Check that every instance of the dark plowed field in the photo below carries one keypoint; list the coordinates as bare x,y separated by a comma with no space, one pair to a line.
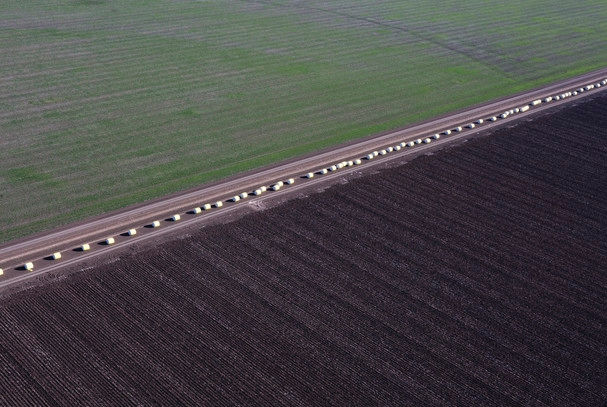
475,276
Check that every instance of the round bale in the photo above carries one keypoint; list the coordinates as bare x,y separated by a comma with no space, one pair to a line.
207,206
358,161
56,256
85,247
218,204
310,175
132,232
175,217
291,181
244,195
29,266
197,210
110,241
427,140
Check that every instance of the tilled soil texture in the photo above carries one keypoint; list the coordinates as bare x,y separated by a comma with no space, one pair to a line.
474,276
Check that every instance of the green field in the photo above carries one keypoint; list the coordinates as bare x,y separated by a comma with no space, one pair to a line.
108,103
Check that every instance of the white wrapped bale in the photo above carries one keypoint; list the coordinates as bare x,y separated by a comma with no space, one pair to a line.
244,195
517,110
370,156
418,141
410,144
290,181
257,192
575,93
1,272
207,206
110,241
403,144
29,266
218,204
263,188
480,121
197,210
493,118
280,184
503,115
458,129
436,136
156,224
524,109
175,217
275,187
548,99
358,161
375,153
383,152
389,149
333,168
427,140
85,247
350,163
310,175
397,147
235,198
557,97
471,126
324,171
56,256
536,102
340,166
132,232
447,132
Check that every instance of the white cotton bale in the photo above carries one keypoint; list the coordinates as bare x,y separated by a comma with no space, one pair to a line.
197,210
418,141
333,168
56,255
244,195
280,183
275,187
447,132
339,165
29,266
402,144
511,111
375,153
310,175
436,136
290,181
218,204
536,102
110,241
524,108
175,217
471,126
85,247
358,161
235,198
548,99
383,152
370,156
503,115
410,144
389,149
324,171
350,163
207,206
574,93
557,97
427,140
257,192
132,232
263,188
493,118
156,224
1,272
517,110
458,128
480,121
397,147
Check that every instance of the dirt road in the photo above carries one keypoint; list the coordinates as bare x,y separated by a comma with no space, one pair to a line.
66,240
